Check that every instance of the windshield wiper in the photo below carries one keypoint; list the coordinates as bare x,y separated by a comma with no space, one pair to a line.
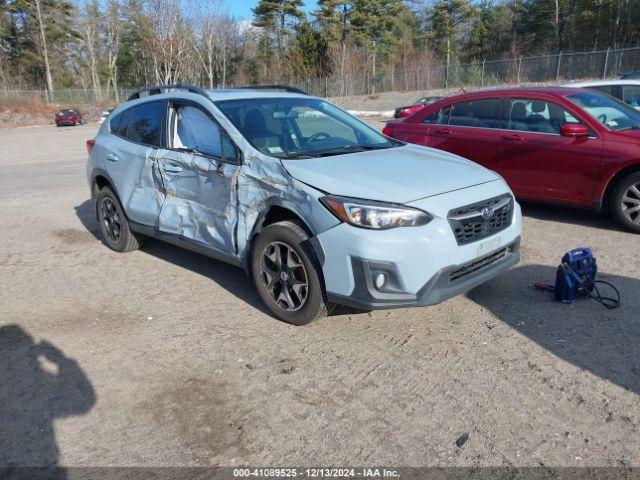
293,156
352,149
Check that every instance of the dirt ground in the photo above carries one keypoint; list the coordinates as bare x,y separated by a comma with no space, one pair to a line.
164,357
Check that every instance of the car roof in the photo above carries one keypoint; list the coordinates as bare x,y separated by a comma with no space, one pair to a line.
241,94
597,83
507,92
212,95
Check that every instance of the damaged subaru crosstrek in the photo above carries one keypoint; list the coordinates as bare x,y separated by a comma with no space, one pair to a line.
316,205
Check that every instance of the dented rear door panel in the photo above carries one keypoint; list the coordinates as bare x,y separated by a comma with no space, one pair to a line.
135,174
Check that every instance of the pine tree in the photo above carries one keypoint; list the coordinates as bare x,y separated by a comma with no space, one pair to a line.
277,18
376,25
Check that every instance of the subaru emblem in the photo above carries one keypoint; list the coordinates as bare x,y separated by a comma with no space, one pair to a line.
487,212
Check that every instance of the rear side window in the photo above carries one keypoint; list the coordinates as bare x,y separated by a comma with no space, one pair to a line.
439,117
114,123
483,113
608,89
631,95
144,123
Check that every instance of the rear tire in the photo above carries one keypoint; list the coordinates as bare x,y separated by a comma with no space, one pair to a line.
625,202
114,225
287,275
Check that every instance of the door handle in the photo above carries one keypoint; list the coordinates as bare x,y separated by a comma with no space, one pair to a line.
112,157
443,131
171,168
513,138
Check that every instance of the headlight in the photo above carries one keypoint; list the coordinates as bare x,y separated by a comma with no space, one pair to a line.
374,215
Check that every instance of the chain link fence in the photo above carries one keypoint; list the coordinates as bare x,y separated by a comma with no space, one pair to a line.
68,96
536,69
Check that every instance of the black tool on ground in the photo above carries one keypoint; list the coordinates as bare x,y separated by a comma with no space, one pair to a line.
576,278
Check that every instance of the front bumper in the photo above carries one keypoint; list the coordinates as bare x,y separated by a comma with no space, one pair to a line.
444,284
423,265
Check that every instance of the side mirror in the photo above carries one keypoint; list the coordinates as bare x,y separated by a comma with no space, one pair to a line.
574,130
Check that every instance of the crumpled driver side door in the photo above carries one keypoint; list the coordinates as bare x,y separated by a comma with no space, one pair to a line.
199,180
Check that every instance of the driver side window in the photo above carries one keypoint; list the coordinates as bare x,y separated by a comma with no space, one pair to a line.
193,129
539,116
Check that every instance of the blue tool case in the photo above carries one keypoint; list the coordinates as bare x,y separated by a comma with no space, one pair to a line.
576,275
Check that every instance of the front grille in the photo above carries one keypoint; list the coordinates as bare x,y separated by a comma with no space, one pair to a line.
468,223
476,265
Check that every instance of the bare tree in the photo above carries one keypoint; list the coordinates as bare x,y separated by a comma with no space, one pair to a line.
43,43
167,41
112,23
213,37
91,34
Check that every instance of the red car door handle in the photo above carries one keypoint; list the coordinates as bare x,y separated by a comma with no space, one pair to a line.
443,131
513,138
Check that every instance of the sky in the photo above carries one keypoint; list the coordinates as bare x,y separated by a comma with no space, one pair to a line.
241,9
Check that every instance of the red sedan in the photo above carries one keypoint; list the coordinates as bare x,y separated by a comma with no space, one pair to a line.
68,117
565,145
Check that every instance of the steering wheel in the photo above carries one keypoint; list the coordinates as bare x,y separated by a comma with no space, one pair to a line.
318,136
602,118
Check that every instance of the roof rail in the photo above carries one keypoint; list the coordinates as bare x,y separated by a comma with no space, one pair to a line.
157,89
285,88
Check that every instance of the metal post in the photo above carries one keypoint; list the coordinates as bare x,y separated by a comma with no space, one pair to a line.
482,74
446,76
519,67
558,67
606,60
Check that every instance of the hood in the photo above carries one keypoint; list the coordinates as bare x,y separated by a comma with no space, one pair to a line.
398,175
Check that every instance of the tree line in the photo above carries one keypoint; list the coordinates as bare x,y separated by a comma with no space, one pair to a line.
103,45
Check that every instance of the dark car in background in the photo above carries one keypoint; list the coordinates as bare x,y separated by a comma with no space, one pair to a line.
407,110
68,117
571,146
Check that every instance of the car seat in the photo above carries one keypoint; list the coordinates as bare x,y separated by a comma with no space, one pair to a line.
557,116
255,127
537,122
518,115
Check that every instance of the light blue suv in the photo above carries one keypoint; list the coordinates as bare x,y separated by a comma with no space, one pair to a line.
318,206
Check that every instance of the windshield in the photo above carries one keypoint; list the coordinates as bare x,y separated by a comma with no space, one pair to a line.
301,127
609,111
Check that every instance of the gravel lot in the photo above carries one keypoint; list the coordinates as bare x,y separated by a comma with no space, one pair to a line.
164,357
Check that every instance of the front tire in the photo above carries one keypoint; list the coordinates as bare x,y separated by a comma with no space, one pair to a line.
286,274
114,225
625,202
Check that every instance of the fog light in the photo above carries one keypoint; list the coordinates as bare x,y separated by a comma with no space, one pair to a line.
379,280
